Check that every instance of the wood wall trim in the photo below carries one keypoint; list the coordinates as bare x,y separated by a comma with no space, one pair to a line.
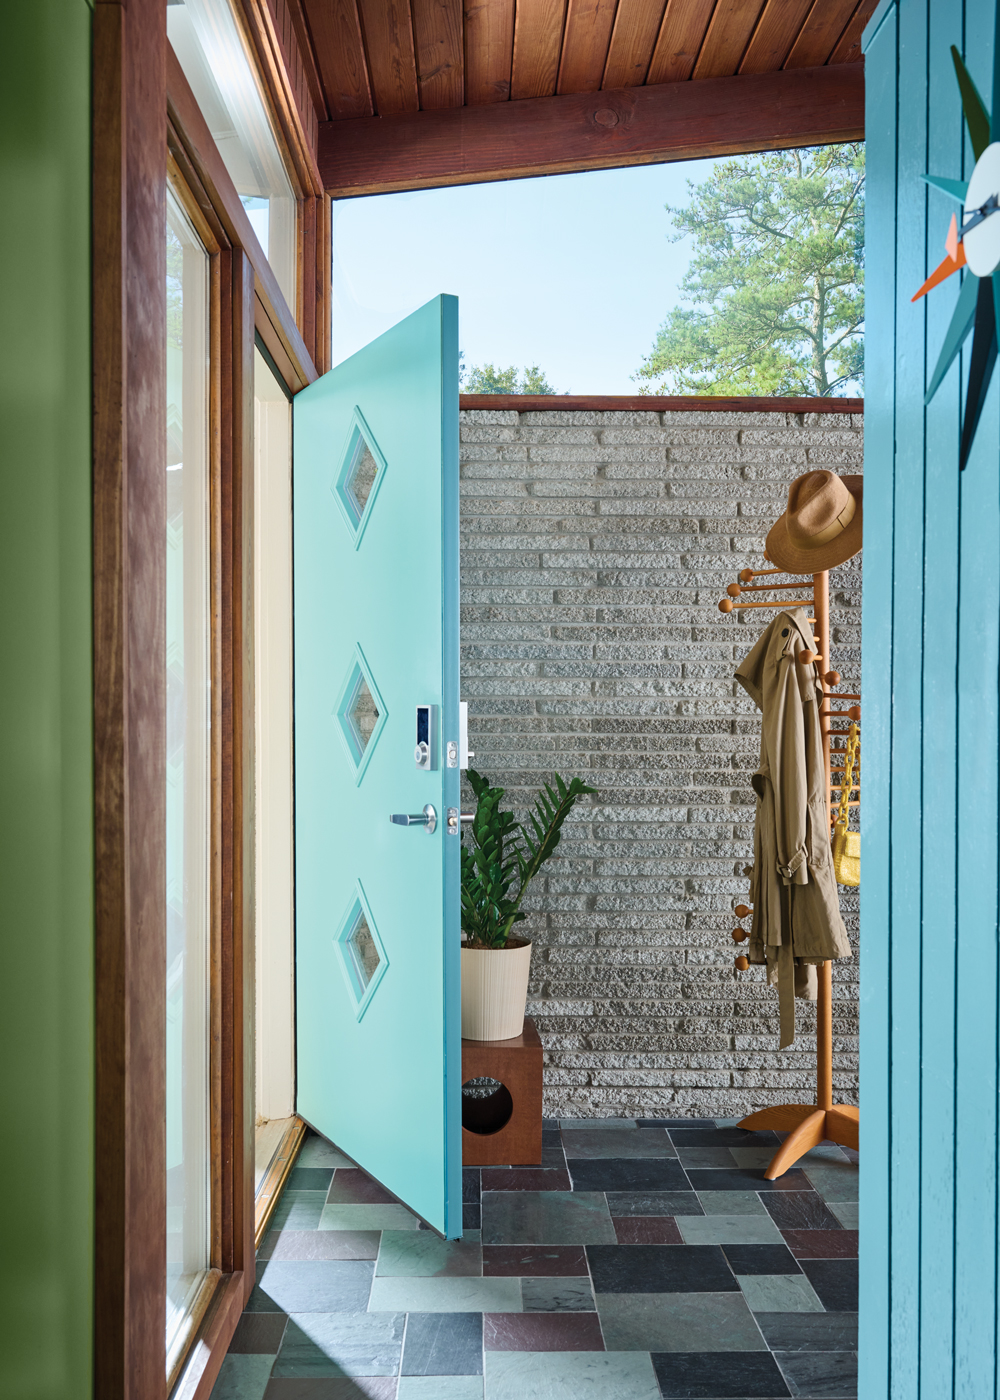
275,1177
189,132
129,367
214,1335
279,64
593,131
323,291
196,1321
651,403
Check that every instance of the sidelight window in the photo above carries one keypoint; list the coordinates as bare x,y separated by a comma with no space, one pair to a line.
188,773
210,47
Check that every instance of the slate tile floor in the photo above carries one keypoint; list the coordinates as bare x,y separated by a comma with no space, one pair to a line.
643,1260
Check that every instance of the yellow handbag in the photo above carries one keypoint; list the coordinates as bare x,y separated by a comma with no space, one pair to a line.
847,844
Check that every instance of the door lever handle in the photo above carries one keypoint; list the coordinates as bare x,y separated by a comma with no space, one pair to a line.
427,819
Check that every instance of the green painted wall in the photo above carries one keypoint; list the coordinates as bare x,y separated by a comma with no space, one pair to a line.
46,808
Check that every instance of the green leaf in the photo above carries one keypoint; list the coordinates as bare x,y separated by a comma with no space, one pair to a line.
502,851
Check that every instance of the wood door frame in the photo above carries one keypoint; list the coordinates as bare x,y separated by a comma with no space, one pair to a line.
295,121
147,125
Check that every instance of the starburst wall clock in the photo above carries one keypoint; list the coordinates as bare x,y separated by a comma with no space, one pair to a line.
975,245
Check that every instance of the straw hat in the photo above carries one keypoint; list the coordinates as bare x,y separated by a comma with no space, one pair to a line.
821,527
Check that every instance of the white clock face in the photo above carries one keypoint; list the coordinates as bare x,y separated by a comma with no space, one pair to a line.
982,243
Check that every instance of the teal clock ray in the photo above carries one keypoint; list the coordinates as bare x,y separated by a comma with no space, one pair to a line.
976,246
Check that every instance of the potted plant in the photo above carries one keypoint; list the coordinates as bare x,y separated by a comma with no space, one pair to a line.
499,861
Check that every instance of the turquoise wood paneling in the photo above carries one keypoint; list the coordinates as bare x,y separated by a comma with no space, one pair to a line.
877,672
938,749
379,1072
46,728
929,1297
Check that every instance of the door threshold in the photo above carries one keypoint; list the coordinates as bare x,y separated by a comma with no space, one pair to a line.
279,1162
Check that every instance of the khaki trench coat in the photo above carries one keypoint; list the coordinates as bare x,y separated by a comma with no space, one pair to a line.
796,909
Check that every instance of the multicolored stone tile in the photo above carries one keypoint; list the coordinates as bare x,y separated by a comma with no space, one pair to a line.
822,1244
546,1217
647,1229
557,1294
539,1260
525,1179
568,1375
555,1331
634,1238
745,1374
678,1322
422,1254
779,1293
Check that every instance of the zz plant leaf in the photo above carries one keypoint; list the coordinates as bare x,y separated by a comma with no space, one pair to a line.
502,856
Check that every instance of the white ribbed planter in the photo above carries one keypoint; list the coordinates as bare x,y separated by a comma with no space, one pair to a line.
494,992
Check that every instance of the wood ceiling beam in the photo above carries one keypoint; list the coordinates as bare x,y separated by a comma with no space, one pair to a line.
593,131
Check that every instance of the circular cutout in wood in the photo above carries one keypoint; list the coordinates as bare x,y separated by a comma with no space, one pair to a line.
486,1105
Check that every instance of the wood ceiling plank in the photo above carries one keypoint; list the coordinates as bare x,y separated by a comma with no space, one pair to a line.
595,131
335,39
728,35
848,48
299,32
818,37
437,34
681,35
538,36
489,51
392,65
637,25
585,45
776,32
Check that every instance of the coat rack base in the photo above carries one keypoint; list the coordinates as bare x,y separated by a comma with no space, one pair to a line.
807,1126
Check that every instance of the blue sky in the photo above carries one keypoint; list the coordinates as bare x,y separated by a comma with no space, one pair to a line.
571,272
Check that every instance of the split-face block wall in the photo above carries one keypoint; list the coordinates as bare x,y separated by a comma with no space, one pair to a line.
595,549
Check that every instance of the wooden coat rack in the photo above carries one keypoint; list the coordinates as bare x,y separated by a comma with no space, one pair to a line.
807,1124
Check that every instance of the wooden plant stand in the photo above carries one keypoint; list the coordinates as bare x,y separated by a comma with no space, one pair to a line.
517,1064
807,1124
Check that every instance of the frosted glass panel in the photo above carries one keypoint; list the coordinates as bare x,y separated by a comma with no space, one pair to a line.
209,46
364,713
188,773
363,475
366,958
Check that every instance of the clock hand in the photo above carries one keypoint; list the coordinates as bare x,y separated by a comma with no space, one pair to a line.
980,216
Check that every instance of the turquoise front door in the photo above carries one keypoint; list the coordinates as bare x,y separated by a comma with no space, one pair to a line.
378,1021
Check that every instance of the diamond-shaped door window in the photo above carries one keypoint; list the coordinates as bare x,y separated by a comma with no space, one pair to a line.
364,714
362,468
361,953
361,713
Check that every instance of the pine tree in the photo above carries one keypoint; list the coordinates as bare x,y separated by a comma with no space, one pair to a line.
776,283
486,379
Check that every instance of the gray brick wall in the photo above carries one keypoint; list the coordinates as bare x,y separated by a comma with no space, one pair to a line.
595,549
